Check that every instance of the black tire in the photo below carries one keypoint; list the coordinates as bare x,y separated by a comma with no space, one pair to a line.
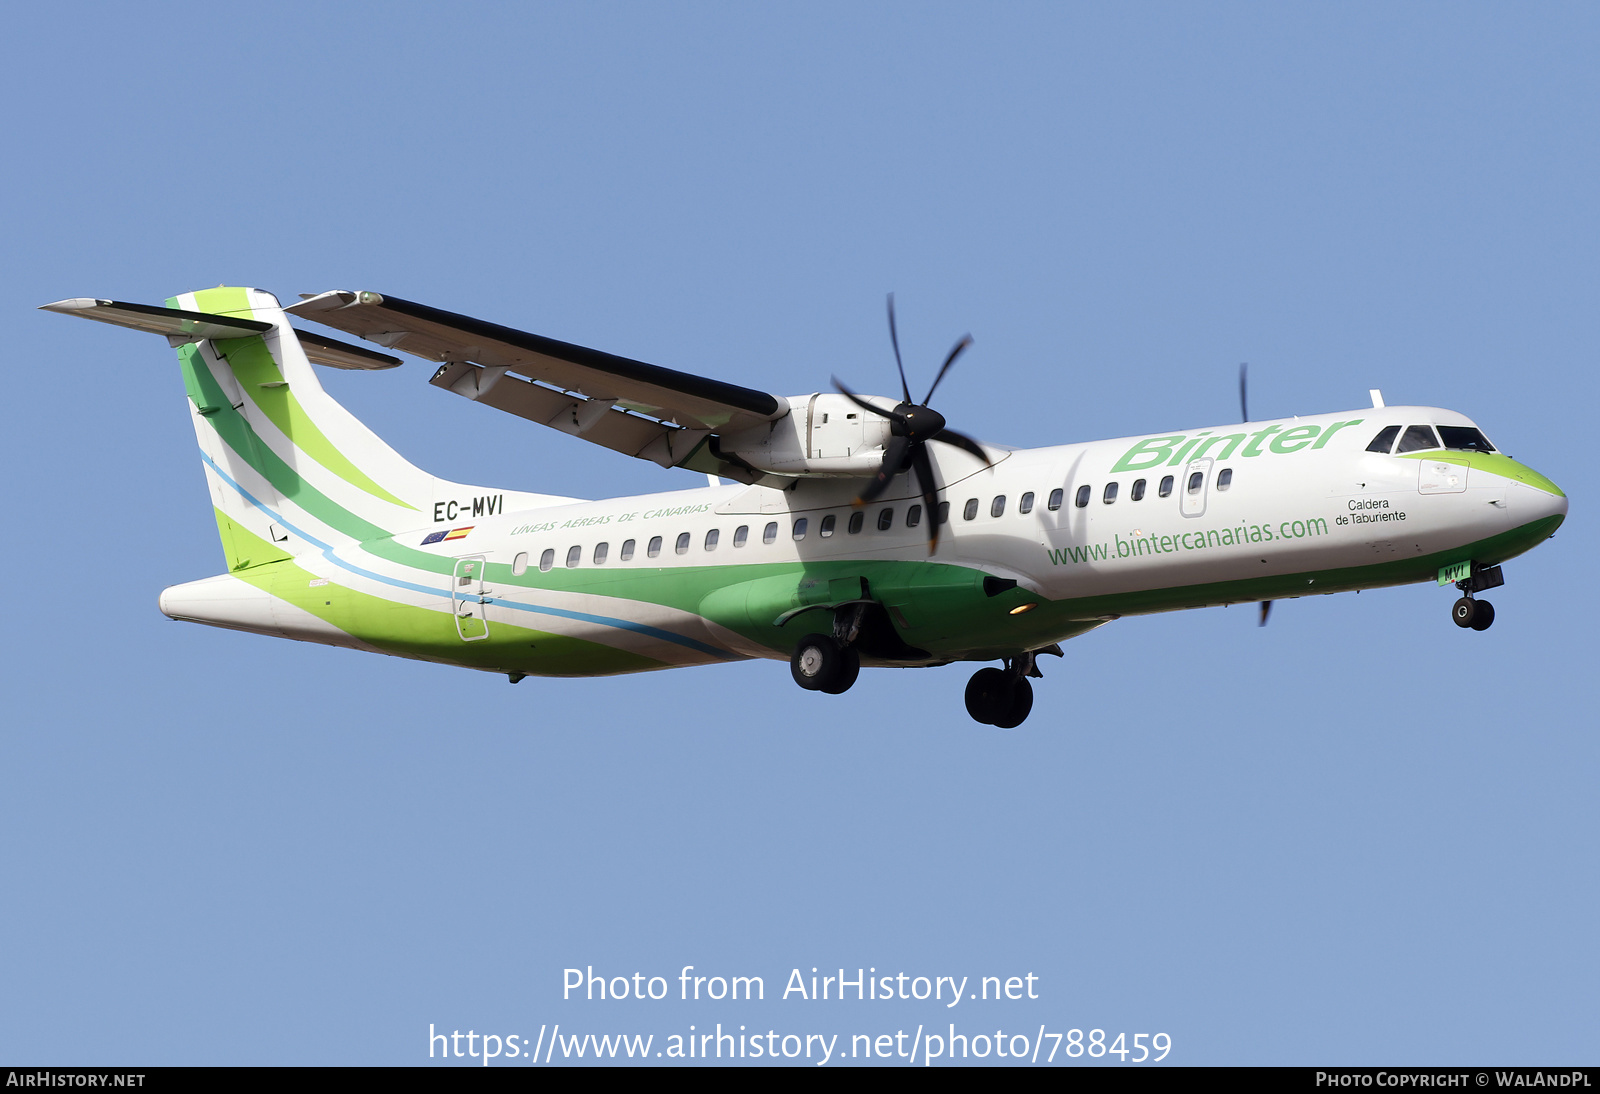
1020,704
986,695
1484,619
849,669
1464,612
816,662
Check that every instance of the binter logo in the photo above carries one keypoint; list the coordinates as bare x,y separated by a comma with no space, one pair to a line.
1172,451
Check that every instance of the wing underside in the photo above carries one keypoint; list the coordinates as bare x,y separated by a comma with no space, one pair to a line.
672,418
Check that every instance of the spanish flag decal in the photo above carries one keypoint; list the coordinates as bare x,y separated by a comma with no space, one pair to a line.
459,533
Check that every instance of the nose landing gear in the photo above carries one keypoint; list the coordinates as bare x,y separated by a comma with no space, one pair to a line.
1476,614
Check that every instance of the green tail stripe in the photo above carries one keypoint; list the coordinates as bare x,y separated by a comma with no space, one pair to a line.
253,365
238,435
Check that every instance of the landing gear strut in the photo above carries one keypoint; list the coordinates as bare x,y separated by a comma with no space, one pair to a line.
1476,614
1003,697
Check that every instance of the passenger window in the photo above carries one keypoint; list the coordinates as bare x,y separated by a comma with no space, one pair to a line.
1464,438
857,519
800,528
519,565
1166,486
1196,481
885,519
1082,499
740,535
712,537
627,550
655,547
1384,440
944,513
1224,478
1055,499
574,556
1137,493
913,516
769,534
971,510
825,529
1110,493
600,552
1025,503
682,546
548,559
997,507
1418,438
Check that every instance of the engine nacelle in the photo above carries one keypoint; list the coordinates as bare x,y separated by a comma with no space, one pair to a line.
823,435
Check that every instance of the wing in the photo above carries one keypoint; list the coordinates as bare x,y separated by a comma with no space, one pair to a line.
641,409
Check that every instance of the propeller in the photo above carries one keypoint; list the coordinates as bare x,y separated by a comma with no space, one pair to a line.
911,427
1244,414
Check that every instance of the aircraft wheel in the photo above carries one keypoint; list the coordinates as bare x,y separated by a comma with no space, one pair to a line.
1465,612
849,669
1483,618
1017,709
986,695
817,663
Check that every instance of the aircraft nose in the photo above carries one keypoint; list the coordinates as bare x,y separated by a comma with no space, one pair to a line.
1535,495
1538,502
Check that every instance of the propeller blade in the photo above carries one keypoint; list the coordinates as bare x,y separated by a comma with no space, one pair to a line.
894,339
966,340
1266,609
894,461
962,441
860,402
1244,405
922,465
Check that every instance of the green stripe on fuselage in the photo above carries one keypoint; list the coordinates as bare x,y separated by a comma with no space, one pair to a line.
1492,462
410,631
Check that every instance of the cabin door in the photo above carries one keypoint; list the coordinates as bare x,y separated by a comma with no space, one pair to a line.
467,599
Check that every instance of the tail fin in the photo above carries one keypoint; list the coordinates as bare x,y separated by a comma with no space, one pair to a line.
289,470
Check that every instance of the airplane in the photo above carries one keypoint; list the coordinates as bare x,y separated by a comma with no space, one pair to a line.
856,530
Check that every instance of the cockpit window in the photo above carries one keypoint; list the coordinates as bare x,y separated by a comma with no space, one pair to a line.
1384,440
1418,438
1465,439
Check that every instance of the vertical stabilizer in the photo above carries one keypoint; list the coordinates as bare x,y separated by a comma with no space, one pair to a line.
288,469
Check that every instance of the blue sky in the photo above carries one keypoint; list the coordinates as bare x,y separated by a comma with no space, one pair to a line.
1358,836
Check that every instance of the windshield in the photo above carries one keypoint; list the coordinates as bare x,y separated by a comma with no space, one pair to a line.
1464,438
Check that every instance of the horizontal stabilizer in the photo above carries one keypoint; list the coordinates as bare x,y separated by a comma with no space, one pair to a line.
178,325
182,327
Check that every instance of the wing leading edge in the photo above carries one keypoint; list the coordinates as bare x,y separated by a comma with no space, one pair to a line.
672,418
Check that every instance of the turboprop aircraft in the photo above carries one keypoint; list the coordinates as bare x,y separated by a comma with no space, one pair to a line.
858,530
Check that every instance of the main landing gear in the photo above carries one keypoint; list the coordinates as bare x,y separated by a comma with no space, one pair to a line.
1469,612
1003,697
821,663
830,663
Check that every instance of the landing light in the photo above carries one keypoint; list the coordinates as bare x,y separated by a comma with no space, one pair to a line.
1022,609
